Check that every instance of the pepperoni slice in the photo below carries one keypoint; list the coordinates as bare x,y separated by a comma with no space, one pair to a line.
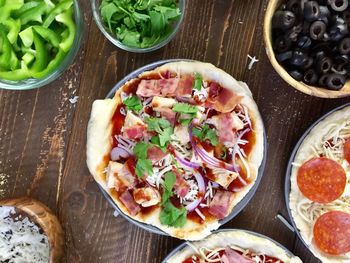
321,180
332,232
347,150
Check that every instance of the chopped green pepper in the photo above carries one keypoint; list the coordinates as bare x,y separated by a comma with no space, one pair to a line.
48,34
61,7
41,56
51,66
66,19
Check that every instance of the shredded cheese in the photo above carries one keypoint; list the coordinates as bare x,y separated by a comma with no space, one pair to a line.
20,239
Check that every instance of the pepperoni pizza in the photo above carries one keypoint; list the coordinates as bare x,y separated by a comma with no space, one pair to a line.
320,188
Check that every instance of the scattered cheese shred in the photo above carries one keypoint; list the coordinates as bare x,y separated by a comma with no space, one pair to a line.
20,239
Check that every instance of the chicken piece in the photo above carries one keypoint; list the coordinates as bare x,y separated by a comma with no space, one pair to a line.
223,177
146,196
181,132
119,176
160,102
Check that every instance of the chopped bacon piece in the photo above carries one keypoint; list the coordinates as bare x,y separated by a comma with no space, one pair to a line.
225,128
181,186
134,132
220,204
168,114
146,196
129,202
148,88
185,86
231,256
222,99
168,86
155,154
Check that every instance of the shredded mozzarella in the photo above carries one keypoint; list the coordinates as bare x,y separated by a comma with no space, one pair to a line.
20,239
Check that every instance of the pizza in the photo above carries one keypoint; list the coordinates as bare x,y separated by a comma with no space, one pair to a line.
177,147
233,246
320,188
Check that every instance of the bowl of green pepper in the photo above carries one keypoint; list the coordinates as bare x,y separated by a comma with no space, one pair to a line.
139,25
39,39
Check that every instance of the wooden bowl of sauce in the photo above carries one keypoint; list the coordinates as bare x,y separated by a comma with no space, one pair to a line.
272,6
37,213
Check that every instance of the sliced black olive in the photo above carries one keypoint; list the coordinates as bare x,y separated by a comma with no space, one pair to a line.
336,33
309,63
304,42
283,20
339,5
294,32
311,11
282,44
317,30
326,37
296,74
324,11
323,64
294,6
299,59
302,5
339,69
346,15
310,77
323,80
335,81
344,46
284,56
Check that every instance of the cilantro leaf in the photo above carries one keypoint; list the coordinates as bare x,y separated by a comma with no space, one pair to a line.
173,216
140,150
206,133
185,108
133,103
169,182
143,166
197,85
162,127
155,140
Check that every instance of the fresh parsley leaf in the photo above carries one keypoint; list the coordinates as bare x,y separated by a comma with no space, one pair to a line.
197,85
133,103
169,181
143,166
206,133
155,140
173,216
185,108
140,150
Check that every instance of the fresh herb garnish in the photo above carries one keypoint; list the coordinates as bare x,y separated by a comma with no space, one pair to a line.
140,23
171,215
206,133
197,85
143,165
133,103
185,108
162,127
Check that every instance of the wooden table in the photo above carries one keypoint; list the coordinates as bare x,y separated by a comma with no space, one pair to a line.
43,135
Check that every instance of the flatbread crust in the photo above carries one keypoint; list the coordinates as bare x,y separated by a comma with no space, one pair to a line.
99,143
305,152
240,238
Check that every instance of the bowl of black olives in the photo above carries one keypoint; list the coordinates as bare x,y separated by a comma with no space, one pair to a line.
308,44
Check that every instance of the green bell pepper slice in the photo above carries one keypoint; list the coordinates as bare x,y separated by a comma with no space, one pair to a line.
48,34
13,26
16,75
54,64
8,6
41,54
8,58
66,18
27,36
26,6
33,14
58,9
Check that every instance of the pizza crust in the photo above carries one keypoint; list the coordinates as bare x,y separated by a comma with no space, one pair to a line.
99,143
305,152
240,238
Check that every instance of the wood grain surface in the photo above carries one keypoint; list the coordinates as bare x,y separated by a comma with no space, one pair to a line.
43,135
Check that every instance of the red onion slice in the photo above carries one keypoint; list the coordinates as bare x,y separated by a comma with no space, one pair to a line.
201,186
187,163
118,152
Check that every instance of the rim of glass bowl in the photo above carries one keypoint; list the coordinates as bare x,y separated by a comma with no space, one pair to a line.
116,42
32,83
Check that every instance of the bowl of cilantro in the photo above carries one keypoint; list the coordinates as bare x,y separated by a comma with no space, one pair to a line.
138,25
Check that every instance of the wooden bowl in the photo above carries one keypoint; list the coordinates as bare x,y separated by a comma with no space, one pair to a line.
41,215
311,90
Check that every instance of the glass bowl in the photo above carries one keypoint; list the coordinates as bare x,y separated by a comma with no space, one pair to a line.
95,4
32,83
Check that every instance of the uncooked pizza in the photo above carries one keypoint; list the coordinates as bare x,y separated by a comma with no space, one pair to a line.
233,246
177,147
320,188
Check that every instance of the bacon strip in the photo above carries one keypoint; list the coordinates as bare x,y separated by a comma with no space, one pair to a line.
220,204
225,128
129,202
134,132
222,99
148,88
231,256
181,186
155,154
